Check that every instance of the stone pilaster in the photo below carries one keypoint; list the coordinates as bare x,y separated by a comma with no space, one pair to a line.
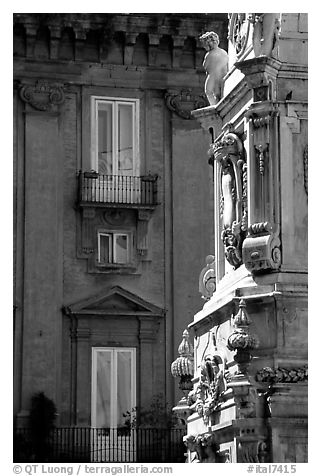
83,376
42,320
147,334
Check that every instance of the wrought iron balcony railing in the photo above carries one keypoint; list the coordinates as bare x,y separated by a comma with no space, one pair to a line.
117,189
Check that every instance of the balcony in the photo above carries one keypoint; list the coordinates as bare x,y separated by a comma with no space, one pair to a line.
117,190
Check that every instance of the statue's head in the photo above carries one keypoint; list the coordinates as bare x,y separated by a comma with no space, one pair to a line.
209,39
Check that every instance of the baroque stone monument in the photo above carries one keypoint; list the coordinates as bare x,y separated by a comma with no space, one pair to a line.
249,398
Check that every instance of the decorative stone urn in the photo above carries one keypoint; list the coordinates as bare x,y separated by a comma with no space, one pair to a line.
241,340
183,367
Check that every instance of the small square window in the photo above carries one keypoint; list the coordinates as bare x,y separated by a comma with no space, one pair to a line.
113,248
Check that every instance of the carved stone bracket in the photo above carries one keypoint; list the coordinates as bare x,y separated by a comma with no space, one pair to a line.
184,102
43,96
88,216
142,231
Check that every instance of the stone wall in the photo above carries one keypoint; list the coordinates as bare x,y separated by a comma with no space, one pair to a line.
140,56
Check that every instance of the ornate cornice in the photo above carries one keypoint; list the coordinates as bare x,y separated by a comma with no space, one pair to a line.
42,96
184,102
150,28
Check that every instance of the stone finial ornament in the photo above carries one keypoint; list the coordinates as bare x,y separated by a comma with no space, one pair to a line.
183,366
241,340
216,66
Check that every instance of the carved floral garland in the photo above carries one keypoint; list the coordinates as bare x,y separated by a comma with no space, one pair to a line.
282,375
206,397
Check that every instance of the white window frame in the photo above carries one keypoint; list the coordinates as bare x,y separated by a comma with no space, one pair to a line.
113,388
112,246
95,100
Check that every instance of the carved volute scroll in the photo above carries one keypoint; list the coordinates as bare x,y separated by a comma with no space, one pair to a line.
43,96
238,33
228,152
207,281
184,102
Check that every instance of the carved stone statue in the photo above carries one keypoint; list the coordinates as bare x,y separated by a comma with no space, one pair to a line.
265,33
216,66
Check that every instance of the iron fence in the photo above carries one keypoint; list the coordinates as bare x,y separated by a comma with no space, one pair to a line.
96,188
107,445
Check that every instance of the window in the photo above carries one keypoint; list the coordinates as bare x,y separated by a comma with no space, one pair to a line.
113,248
113,386
113,398
115,136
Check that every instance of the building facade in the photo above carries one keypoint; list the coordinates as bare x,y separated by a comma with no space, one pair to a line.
113,215
248,401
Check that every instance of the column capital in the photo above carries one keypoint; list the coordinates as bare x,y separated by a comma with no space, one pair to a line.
147,328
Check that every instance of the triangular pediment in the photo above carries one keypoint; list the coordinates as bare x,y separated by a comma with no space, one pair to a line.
115,301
